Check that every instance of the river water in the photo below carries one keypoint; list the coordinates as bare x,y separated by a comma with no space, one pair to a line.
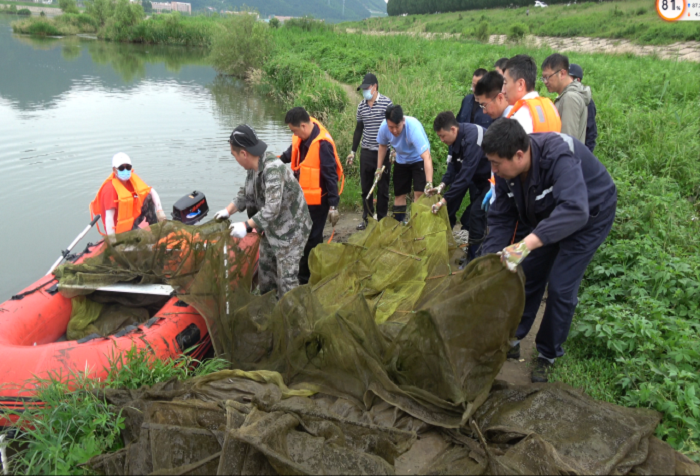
68,105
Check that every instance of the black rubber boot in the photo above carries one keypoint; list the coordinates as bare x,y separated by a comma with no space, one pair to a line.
541,370
514,352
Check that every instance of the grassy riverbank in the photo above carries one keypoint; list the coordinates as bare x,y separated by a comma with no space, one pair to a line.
635,20
76,423
634,340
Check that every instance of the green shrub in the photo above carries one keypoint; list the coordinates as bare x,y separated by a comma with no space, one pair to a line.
119,27
243,44
24,11
71,427
68,6
482,32
84,23
42,14
517,32
274,22
36,27
307,23
100,10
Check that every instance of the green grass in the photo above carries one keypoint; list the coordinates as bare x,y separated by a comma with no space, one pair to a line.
76,423
634,20
634,340
63,25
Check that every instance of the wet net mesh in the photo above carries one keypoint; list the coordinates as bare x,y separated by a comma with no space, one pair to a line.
384,363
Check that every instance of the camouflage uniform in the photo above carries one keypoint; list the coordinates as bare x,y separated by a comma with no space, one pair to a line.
274,201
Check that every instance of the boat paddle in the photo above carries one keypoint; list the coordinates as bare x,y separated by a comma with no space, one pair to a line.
75,242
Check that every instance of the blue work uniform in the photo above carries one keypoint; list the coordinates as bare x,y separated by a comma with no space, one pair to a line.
569,201
470,112
468,169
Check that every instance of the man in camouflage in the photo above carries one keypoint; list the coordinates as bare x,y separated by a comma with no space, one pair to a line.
276,207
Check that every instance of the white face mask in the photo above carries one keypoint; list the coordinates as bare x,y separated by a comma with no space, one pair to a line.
367,94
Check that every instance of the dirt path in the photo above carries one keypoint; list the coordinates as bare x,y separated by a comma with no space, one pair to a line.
513,371
681,51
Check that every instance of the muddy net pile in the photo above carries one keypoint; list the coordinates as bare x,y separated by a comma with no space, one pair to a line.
167,253
385,363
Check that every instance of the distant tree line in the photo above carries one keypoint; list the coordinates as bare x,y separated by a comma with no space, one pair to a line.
416,7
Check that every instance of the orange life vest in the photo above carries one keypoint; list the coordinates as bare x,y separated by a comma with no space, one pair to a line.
310,169
545,117
128,205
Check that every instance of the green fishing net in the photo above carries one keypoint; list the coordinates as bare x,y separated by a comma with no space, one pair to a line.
384,363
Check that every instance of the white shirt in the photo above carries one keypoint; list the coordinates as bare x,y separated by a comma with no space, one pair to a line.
523,114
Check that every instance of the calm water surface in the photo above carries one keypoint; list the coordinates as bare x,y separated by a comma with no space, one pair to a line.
67,105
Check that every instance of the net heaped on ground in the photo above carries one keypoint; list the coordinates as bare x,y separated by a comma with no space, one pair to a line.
384,363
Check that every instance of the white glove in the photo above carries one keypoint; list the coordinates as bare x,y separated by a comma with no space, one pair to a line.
161,215
351,157
436,207
222,214
392,156
238,230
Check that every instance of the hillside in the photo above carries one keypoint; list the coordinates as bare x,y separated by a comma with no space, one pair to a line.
634,20
329,10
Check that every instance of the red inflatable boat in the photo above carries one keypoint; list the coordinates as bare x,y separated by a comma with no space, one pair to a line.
33,325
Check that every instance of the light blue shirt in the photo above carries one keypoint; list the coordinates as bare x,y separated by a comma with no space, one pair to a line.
410,144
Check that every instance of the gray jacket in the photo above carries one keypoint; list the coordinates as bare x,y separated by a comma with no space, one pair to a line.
275,202
572,105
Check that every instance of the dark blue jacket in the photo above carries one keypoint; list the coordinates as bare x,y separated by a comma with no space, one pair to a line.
591,127
469,107
565,188
467,164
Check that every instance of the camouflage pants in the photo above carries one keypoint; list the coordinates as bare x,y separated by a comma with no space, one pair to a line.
278,270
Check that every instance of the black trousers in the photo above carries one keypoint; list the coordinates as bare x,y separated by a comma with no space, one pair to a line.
368,167
561,266
473,219
319,215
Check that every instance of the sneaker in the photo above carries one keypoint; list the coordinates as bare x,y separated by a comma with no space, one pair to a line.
514,352
362,226
539,373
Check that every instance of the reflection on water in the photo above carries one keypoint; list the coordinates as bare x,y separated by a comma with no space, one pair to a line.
67,105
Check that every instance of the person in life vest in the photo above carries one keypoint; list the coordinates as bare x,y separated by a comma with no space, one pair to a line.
316,165
124,200
533,112
555,186
490,93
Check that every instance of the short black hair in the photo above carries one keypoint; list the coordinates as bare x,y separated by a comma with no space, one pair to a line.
296,115
444,121
505,137
489,85
501,63
479,72
555,62
394,113
523,67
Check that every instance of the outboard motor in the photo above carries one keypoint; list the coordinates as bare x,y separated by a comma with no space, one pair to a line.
191,208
